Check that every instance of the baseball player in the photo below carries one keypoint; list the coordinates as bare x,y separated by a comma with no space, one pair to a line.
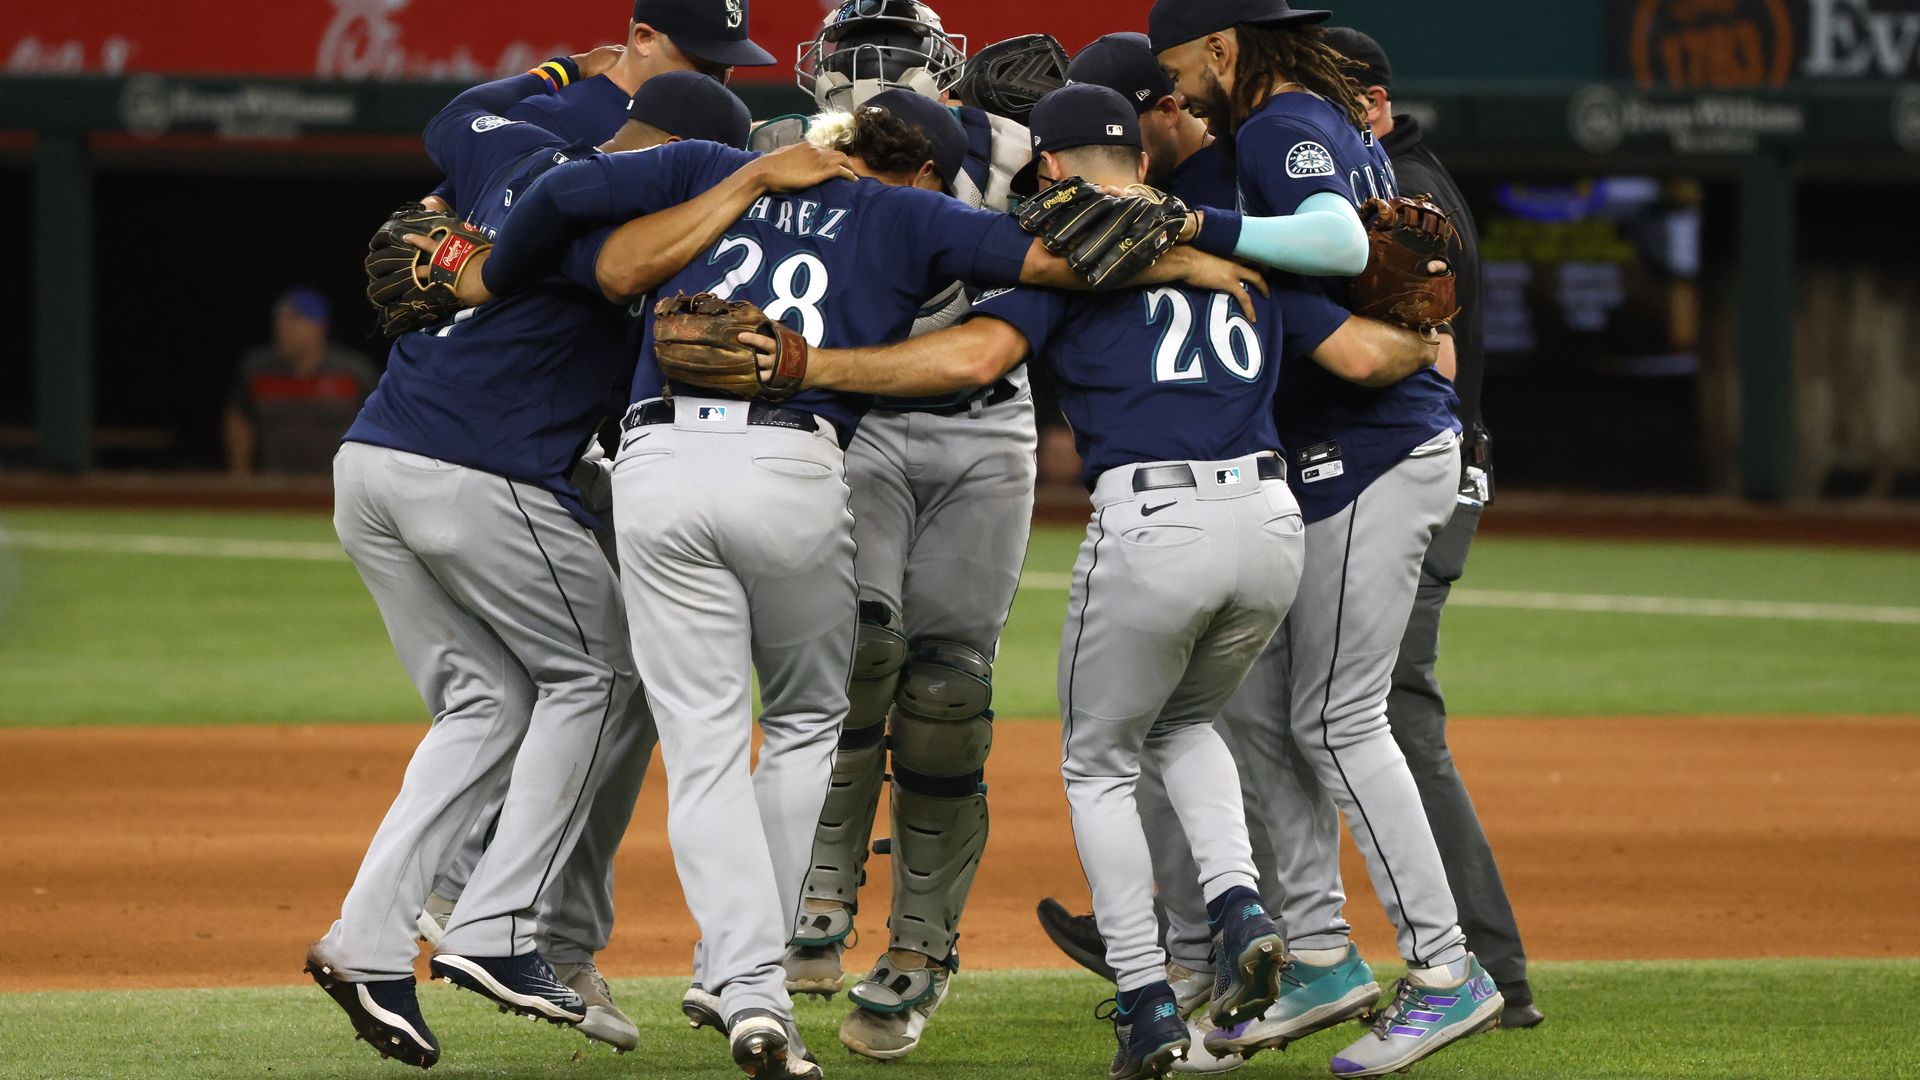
1375,470
664,37
447,488
1189,564
942,500
743,557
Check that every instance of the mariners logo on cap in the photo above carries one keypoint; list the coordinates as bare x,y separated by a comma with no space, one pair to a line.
1309,159
736,14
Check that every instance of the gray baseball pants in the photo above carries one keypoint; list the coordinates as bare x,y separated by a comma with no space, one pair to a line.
736,549
528,684
1175,592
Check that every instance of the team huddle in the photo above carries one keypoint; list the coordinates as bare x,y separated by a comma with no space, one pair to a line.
677,399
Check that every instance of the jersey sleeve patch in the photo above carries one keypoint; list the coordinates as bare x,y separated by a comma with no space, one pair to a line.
1309,159
484,124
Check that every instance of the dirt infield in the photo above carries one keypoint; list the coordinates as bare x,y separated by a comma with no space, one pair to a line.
210,857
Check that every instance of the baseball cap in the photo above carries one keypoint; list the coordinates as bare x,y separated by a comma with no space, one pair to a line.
1123,63
692,106
935,121
1082,114
308,303
1363,50
1176,22
710,30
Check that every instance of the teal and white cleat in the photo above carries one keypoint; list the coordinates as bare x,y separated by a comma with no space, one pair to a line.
1312,998
1422,1021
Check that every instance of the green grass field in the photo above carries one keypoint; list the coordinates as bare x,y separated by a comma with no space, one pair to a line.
274,627
1739,1020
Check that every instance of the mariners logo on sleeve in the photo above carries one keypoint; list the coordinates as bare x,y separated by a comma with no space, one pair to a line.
484,124
988,295
1309,159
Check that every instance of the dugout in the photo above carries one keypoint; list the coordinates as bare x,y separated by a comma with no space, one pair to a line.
1690,295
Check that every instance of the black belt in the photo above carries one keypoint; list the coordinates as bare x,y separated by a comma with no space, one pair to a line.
1156,477
759,414
1001,391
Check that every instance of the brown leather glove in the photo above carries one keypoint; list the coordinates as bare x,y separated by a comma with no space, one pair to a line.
696,339
1406,236
413,289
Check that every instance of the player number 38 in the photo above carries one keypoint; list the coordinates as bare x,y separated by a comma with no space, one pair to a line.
798,283
1227,336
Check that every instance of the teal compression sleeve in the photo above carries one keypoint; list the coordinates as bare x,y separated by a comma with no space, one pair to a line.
1323,238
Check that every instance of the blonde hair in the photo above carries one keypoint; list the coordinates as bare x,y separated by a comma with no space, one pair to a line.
831,130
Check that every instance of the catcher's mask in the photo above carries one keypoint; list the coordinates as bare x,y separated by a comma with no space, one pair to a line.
867,46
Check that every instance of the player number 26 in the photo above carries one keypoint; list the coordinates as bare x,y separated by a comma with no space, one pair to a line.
1227,336
798,283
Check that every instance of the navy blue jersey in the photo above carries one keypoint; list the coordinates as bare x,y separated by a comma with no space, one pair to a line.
585,113
1163,374
847,264
1206,178
1295,146
516,386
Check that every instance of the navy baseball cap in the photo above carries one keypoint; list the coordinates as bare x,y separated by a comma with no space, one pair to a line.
692,106
1123,63
1374,69
710,30
1082,114
1176,22
935,121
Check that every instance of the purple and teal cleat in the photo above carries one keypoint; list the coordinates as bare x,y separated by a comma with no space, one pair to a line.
1312,998
1422,1021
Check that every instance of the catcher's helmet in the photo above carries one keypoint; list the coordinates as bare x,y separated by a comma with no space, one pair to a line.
867,46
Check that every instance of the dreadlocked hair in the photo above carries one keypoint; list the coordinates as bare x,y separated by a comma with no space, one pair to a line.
1270,55
884,141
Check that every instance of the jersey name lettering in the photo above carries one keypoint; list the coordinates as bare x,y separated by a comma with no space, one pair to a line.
798,217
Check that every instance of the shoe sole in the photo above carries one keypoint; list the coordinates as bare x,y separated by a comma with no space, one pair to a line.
1464,1030
761,1052
1353,1005
820,988
390,1038
1158,1063
468,975
610,1026
1259,967
1073,951
700,1015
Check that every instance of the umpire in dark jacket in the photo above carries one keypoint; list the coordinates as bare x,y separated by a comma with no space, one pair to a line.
1415,708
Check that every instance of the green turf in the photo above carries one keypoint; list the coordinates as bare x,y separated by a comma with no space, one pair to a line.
94,638
1739,1020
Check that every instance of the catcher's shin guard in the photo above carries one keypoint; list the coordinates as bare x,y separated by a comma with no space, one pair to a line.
853,794
942,729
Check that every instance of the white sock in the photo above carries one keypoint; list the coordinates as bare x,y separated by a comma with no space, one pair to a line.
1320,957
1437,978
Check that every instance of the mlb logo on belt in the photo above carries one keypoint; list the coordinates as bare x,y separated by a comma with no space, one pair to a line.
1226,476
713,413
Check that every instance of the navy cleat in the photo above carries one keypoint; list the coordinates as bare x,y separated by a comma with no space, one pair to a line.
523,984
1151,1035
1247,957
385,1013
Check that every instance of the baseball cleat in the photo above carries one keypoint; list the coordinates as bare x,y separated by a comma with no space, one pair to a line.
1077,936
385,1013
1248,956
1202,1061
1422,1021
702,1009
605,1022
522,984
893,1004
820,935
1152,1038
767,1046
1312,998
1520,1012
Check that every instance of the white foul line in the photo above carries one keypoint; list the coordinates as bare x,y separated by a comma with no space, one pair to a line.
1586,603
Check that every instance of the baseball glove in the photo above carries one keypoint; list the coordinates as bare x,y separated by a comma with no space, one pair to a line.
1406,235
413,289
1008,78
1107,239
696,340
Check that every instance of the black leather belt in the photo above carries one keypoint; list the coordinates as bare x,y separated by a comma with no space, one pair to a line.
1001,391
759,414
1156,477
